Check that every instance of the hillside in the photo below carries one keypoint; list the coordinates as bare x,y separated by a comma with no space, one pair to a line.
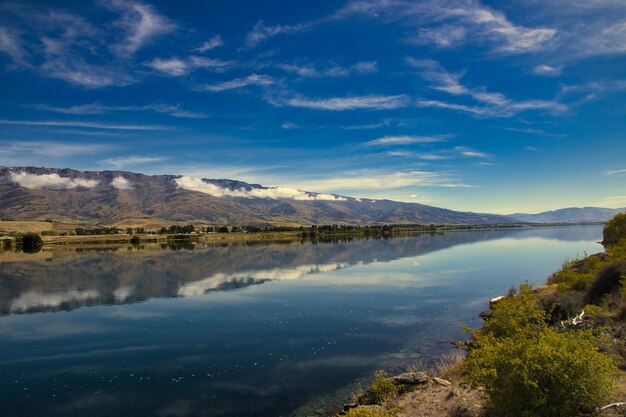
69,195
569,215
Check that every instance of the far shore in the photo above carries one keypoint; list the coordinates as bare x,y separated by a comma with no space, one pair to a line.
54,234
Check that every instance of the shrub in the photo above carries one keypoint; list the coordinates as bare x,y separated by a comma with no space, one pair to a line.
608,280
614,230
31,242
369,412
382,388
568,279
135,240
514,313
543,373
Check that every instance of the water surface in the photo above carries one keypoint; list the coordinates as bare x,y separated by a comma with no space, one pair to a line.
262,329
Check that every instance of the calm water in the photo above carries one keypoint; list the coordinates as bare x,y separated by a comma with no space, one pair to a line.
247,330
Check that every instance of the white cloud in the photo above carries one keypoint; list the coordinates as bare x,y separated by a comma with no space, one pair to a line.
141,24
121,183
125,161
547,70
348,103
53,149
471,153
173,110
215,42
254,79
614,172
172,66
402,140
490,104
54,181
197,184
91,125
177,67
369,181
260,32
333,70
11,45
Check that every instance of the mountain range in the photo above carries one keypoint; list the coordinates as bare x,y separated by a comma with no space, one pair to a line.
107,197
32,193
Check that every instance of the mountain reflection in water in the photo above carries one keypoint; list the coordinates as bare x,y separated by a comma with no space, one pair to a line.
61,279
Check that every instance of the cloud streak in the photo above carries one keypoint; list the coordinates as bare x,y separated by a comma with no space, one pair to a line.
76,123
347,103
402,140
489,104
250,80
53,181
173,110
274,193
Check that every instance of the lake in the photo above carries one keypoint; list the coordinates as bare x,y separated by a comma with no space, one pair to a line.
263,329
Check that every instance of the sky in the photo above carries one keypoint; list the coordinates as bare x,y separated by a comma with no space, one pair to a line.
500,107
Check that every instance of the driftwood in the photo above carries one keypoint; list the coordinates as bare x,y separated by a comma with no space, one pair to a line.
606,407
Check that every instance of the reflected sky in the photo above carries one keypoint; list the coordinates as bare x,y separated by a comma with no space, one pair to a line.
240,330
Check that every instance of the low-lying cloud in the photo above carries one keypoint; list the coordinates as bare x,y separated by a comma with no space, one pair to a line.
121,183
54,181
275,193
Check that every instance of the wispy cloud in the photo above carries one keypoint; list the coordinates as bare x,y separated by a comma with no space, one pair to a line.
173,110
254,79
130,161
141,24
53,148
261,32
69,47
471,153
490,104
402,140
347,103
199,185
177,67
378,180
91,125
548,70
332,70
612,172
215,42
11,44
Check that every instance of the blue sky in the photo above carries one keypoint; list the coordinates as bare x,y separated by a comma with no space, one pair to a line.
484,106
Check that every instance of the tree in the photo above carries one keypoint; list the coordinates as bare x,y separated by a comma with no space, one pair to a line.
31,242
614,230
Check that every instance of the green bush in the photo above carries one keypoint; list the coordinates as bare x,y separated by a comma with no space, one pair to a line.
514,313
31,242
382,388
531,369
608,280
614,230
542,374
135,240
568,279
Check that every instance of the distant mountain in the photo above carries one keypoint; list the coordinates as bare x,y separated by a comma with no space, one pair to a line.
569,215
103,197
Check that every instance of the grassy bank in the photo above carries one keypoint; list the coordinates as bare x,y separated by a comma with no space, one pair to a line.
554,351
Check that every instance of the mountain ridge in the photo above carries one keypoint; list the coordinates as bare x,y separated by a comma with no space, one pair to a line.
569,215
35,193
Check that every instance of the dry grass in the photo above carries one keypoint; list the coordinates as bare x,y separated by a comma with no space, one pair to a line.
450,367
24,226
